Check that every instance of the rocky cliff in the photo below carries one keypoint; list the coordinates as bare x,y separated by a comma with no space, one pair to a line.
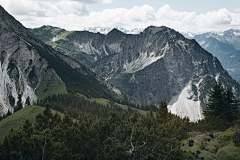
161,64
157,64
30,68
225,47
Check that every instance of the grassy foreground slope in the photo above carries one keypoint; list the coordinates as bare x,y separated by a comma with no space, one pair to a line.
217,146
16,120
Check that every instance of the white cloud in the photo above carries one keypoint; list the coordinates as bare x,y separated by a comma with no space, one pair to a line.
189,21
73,15
81,1
44,9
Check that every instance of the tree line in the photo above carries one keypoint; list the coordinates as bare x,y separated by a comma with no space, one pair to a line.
118,137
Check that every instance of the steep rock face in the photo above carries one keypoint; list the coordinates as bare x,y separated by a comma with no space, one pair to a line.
21,70
161,64
224,47
30,68
84,46
157,64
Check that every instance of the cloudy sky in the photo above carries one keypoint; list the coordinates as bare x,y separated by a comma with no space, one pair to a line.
182,15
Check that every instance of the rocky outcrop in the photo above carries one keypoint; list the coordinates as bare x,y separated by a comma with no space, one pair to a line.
21,70
31,68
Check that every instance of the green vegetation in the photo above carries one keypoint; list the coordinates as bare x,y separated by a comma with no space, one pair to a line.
104,102
125,81
221,113
16,120
118,137
49,87
236,138
69,48
64,35
61,43
156,30
83,82
104,129
222,104
220,147
103,64
46,33
79,106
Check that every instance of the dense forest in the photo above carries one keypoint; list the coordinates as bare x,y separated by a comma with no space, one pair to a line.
157,135
53,137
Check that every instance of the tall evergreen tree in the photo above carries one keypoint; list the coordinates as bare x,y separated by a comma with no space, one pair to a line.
162,115
222,104
231,106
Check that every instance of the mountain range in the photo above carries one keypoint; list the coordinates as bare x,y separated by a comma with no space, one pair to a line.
31,69
156,64
225,46
106,30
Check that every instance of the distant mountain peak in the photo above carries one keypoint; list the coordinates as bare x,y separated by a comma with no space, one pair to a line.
106,30
115,31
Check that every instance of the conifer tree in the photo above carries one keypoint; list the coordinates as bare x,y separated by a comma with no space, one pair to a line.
222,104
162,115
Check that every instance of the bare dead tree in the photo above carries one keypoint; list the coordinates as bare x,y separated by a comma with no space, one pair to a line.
172,150
130,152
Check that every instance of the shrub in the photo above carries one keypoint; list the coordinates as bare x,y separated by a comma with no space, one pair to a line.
202,145
236,138
190,142
211,135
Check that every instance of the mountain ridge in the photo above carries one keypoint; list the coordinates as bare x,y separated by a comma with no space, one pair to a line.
31,68
223,46
158,63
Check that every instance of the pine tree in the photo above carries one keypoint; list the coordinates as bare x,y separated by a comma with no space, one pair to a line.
162,115
216,101
231,106
222,104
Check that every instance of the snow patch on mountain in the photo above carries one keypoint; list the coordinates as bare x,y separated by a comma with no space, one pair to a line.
236,33
202,43
184,104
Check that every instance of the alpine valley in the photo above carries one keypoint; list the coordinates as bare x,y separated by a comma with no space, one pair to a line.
31,69
156,64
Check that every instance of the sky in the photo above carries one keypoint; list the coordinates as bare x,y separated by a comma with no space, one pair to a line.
195,16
